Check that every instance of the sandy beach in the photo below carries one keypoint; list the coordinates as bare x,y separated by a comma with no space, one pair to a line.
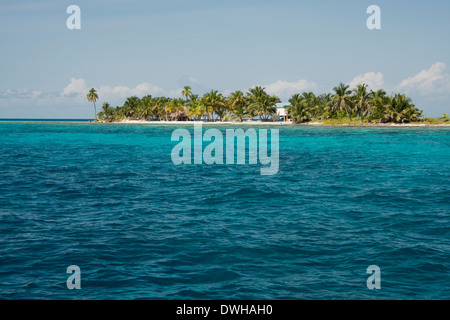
253,123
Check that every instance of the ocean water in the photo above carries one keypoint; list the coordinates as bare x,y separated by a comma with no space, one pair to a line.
108,199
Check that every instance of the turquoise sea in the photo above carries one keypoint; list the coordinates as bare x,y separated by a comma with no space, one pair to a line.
107,198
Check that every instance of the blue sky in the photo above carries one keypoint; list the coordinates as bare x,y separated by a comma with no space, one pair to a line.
157,47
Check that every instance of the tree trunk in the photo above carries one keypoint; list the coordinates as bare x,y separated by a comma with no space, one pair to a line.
348,115
95,110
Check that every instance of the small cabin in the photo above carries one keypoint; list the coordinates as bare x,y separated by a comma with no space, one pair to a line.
282,114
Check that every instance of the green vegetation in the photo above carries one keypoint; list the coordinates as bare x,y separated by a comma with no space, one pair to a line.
359,103
213,106
445,118
343,106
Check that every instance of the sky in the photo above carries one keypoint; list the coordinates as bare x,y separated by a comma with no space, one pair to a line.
139,47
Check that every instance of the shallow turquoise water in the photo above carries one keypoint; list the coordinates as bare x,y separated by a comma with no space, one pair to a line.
109,199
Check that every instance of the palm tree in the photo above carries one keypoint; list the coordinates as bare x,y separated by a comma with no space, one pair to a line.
204,108
342,99
269,107
326,106
314,104
215,102
146,105
298,109
196,108
255,97
238,104
168,109
159,109
92,97
118,113
401,109
446,117
193,109
378,94
362,100
260,103
378,103
131,106
106,112
186,92
176,105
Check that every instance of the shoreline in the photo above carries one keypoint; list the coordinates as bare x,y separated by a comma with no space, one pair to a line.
230,123
259,123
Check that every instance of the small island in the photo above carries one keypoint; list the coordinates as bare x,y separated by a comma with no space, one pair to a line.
345,106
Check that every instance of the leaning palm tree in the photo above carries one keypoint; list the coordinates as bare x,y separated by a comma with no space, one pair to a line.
269,109
92,96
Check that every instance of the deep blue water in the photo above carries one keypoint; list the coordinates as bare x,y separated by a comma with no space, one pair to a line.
109,199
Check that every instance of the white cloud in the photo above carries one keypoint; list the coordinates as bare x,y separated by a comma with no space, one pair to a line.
76,87
430,81
146,88
188,80
285,90
21,94
192,80
374,80
108,93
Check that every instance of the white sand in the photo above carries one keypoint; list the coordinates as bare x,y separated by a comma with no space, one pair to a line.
279,123
202,122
